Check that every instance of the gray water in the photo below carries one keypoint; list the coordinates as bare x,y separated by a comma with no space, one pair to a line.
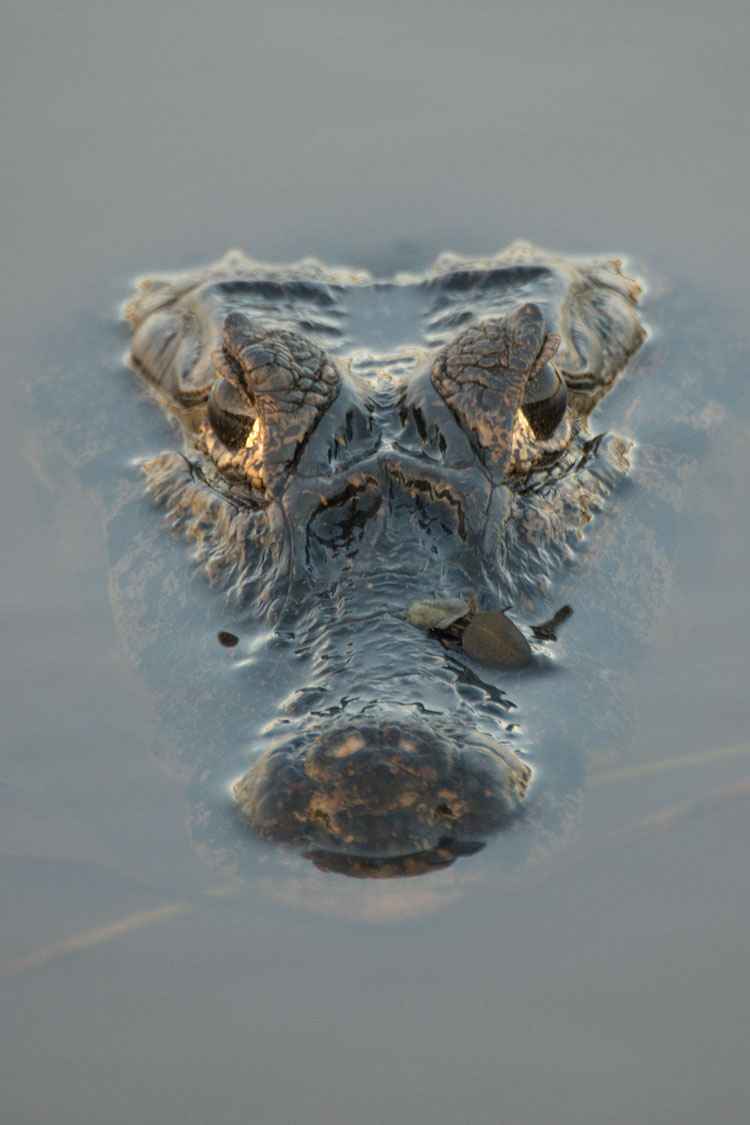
611,987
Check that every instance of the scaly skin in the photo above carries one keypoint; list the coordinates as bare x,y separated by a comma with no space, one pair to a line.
482,375
331,501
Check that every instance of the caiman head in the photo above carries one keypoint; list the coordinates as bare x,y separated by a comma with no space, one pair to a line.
331,488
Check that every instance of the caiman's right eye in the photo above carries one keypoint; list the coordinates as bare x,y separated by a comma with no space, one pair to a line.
544,401
230,415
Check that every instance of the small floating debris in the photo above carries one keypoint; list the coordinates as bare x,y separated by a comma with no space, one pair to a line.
547,631
492,638
440,613
228,640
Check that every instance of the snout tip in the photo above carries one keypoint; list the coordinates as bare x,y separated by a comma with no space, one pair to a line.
377,791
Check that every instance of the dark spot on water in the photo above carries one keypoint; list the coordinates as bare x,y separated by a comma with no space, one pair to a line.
228,640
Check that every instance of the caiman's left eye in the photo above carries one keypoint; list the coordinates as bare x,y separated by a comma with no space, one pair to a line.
230,414
545,398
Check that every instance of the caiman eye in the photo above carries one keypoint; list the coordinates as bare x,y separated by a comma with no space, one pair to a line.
230,415
545,398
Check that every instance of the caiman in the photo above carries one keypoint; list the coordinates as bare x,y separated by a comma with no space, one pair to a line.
390,475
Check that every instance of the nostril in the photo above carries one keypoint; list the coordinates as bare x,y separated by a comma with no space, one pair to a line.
322,815
443,811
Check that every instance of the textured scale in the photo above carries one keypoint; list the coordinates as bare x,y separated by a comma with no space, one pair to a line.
289,382
482,375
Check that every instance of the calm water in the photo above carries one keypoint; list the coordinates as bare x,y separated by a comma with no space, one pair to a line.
609,987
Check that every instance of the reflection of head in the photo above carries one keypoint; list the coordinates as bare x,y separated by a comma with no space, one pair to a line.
376,800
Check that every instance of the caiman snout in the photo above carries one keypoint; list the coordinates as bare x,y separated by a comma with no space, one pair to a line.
365,797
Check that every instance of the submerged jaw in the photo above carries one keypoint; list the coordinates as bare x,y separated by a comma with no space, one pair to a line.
363,796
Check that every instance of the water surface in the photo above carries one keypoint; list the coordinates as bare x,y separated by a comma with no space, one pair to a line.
610,986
